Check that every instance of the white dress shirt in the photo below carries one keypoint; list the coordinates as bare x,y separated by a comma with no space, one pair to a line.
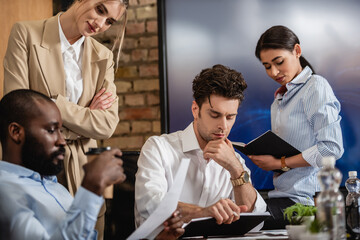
206,181
72,58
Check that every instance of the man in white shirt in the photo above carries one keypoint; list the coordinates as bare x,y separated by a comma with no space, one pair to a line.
217,182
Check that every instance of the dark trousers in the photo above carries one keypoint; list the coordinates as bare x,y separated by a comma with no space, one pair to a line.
276,208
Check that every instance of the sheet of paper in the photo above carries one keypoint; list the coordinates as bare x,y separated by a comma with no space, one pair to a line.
154,224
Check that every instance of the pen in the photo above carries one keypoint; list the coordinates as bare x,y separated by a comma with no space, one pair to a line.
235,214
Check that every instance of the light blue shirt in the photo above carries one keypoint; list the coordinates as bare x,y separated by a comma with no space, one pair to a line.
306,116
35,208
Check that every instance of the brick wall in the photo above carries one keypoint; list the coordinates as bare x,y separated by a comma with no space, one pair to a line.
137,78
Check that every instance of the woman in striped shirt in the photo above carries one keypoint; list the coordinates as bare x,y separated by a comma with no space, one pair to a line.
305,113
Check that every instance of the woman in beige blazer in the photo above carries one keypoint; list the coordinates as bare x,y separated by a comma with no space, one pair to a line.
34,59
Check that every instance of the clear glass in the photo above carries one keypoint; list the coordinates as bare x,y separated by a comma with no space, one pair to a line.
330,203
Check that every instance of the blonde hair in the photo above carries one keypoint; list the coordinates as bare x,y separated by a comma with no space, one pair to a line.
121,33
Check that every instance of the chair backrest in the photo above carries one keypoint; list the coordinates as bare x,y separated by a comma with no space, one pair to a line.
130,165
120,211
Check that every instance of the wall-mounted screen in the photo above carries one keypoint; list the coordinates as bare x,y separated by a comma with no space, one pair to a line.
197,34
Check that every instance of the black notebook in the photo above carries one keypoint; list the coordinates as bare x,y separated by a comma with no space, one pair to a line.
267,144
207,227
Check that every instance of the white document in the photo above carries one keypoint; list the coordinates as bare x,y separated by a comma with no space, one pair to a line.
154,224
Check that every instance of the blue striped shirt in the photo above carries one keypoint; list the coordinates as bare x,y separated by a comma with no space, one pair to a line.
306,116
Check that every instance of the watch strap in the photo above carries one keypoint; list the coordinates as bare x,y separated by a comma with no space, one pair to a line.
283,164
244,178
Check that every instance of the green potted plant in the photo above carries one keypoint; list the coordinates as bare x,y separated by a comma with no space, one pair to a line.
299,216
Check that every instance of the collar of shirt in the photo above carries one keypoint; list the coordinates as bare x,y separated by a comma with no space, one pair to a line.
65,45
23,172
302,78
189,140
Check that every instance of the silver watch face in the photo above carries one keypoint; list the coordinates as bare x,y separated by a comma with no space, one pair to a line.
246,177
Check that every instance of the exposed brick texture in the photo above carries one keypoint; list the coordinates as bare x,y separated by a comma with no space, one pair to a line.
139,55
146,12
146,42
154,55
156,127
135,100
135,28
152,99
149,70
141,127
146,2
146,85
126,142
122,128
144,113
152,26
123,87
137,78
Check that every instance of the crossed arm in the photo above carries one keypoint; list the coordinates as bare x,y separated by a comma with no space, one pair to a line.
97,119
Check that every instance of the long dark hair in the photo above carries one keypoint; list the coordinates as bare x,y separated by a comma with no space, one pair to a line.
280,37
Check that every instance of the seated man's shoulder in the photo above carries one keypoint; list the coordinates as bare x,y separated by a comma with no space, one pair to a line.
8,178
10,188
11,181
18,186
166,139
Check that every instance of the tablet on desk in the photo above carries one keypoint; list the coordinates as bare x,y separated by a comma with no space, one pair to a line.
207,227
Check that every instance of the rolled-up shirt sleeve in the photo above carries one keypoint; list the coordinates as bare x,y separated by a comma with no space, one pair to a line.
20,219
322,111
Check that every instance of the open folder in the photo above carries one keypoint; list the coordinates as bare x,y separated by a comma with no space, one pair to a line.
267,144
154,224
207,227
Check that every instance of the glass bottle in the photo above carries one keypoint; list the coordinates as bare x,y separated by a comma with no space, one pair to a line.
352,184
330,202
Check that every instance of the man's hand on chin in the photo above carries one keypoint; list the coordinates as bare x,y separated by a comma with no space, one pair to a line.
222,152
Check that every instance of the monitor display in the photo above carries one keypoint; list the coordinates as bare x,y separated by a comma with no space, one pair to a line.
198,34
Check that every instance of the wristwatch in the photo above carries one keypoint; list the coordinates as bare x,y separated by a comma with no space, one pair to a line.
244,178
284,168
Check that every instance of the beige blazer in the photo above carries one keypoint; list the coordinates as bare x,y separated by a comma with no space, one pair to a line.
33,60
